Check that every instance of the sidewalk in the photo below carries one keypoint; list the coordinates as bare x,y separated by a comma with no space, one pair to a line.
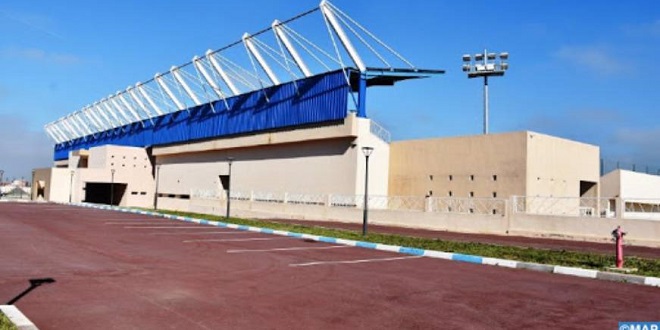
539,243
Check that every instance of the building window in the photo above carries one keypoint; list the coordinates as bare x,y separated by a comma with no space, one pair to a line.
430,192
431,177
451,177
471,177
451,193
494,194
494,177
494,211
471,193
471,210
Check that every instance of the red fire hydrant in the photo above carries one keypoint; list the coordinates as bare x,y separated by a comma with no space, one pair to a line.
618,234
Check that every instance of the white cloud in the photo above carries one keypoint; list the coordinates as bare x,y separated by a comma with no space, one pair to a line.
40,55
593,58
36,22
650,29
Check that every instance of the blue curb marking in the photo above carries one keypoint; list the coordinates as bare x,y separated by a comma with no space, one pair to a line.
413,251
327,239
366,245
467,258
642,280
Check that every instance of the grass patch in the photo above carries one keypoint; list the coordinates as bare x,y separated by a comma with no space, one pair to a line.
5,324
647,267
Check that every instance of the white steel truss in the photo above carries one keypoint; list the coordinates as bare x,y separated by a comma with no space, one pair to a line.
215,77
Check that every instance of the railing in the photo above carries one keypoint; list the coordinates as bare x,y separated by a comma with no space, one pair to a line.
582,207
492,206
380,131
648,209
488,206
564,206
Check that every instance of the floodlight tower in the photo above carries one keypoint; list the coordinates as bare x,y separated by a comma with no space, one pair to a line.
485,65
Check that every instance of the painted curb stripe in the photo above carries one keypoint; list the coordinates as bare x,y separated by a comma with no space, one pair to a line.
556,269
467,258
413,251
652,281
576,271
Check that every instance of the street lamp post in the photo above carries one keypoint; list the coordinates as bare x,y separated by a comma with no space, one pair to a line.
71,187
230,160
156,190
2,173
485,65
112,187
367,152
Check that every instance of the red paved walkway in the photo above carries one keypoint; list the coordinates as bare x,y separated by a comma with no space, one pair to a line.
113,274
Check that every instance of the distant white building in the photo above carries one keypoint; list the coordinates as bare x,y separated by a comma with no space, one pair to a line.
639,193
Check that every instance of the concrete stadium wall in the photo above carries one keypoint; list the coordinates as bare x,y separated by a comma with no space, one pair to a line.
311,160
494,165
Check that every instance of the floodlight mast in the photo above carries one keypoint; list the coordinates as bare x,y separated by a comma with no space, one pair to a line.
485,65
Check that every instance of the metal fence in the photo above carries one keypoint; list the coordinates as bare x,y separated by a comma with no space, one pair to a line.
608,165
492,206
564,206
582,207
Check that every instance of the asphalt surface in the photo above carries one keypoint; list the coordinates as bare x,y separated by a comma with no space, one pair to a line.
124,271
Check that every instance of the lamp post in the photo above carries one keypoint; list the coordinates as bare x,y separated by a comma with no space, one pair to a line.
485,65
71,187
156,190
2,173
367,152
230,160
112,187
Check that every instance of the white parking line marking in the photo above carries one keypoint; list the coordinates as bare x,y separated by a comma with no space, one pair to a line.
166,227
316,263
204,233
290,249
232,239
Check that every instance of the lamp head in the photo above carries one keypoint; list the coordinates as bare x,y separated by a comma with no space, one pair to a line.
367,151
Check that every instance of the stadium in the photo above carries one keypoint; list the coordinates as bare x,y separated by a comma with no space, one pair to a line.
279,124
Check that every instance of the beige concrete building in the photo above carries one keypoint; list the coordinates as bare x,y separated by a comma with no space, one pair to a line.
312,160
93,176
494,165
307,160
639,193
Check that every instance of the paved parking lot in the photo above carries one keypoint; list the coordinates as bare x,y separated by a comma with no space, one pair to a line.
124,271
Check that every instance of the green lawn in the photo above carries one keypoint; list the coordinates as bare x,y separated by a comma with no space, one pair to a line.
5,324
646,267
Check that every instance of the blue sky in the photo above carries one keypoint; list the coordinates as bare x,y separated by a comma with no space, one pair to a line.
582,70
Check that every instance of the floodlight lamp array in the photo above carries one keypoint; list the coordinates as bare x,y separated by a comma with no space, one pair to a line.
485,64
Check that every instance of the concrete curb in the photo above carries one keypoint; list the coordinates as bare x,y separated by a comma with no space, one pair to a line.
15,316
556,269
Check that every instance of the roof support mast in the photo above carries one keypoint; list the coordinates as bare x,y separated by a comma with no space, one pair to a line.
175,72
327,12
279,33
130,108
159,79
62,132
207,76
131,92
95,120
218,68
146,96
257,55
